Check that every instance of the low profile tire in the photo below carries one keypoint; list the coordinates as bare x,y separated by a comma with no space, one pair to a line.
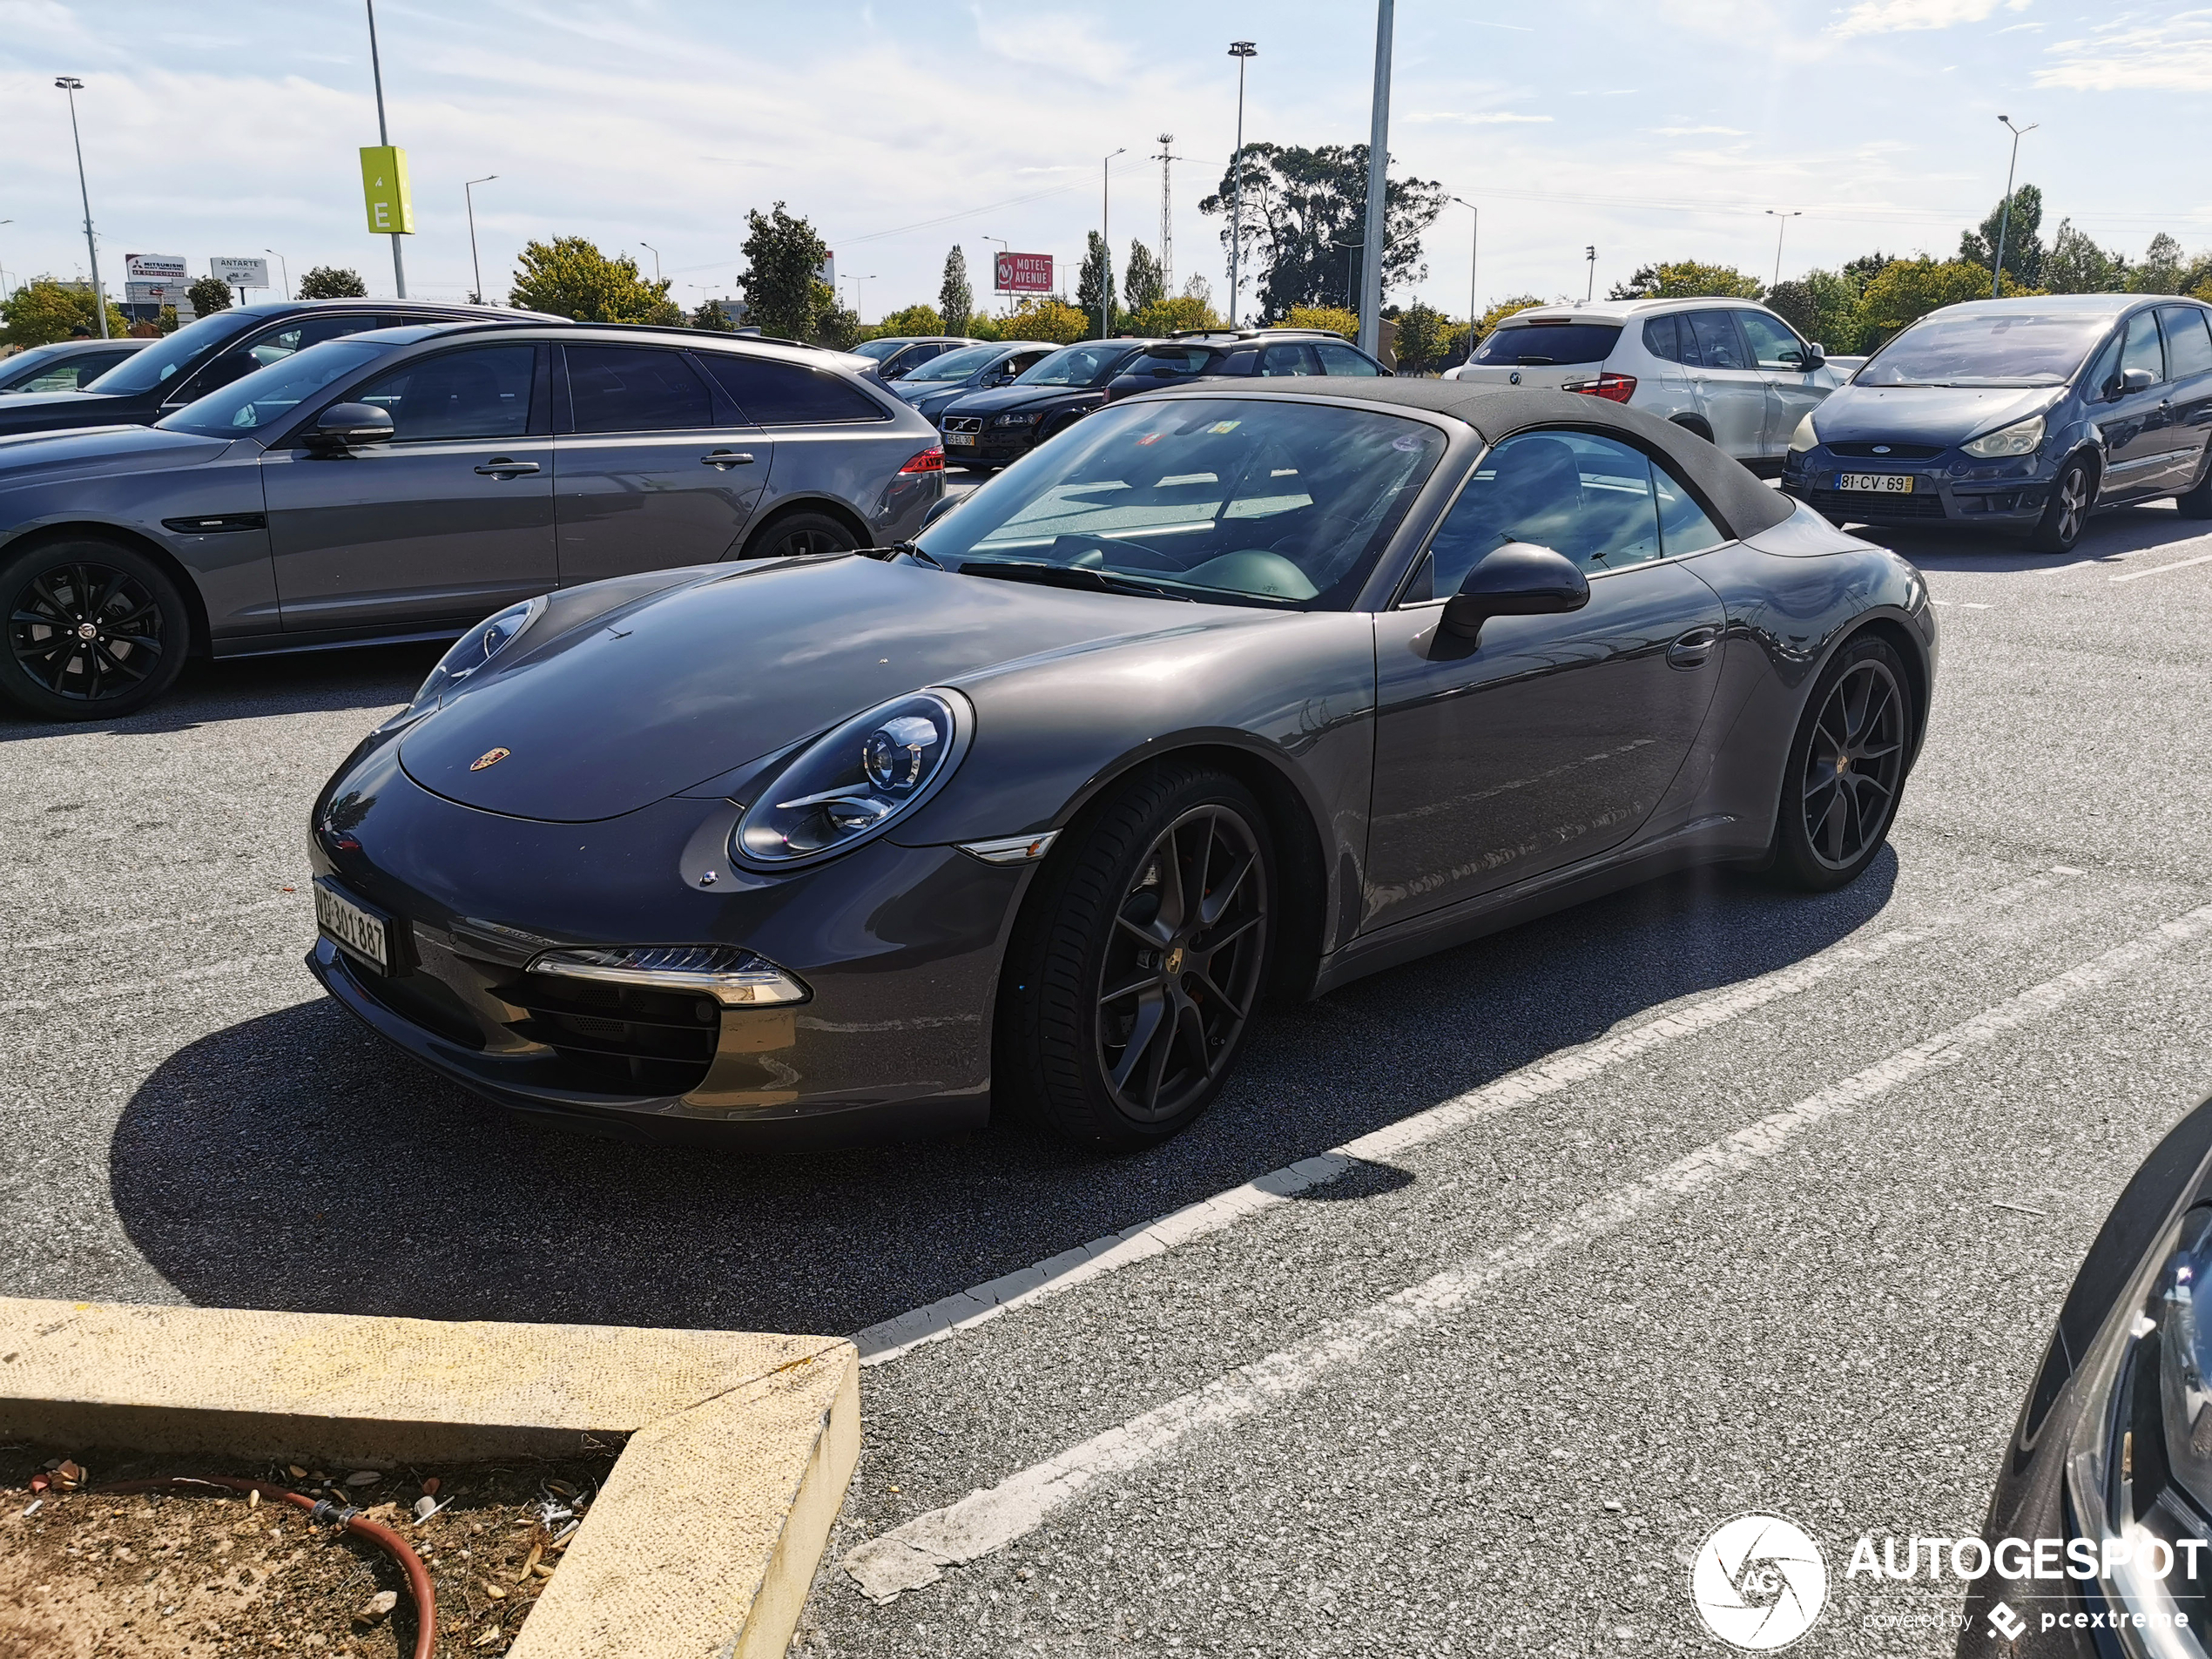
2066,514
1133,977
95,630
800,534
2196,502
1846,769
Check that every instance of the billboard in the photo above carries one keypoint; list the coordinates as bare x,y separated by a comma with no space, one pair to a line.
391,209
165,269
1024,274
239,273
152,293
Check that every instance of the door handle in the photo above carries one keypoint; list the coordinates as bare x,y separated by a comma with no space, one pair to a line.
723,460
500,467
1692,650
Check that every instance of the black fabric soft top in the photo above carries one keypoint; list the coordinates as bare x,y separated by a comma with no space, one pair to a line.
1728,489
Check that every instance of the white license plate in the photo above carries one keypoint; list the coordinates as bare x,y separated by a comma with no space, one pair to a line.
1882,483
348,925
960,439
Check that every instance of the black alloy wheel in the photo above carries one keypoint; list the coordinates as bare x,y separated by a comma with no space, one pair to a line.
1847,768
801,535
1133,981
2073,492
95,630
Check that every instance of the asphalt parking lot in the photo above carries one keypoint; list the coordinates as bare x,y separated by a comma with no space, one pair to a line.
1633,1319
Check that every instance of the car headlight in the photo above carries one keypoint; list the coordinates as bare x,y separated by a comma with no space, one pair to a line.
1029,419
856,781
2021,438
469,653
1803,438
2139,1472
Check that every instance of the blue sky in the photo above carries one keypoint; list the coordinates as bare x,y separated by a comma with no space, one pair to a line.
1655,129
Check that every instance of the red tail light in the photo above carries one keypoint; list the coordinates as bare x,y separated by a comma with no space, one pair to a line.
1616,389
932,458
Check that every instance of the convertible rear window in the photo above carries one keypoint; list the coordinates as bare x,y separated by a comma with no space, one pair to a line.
1548,342
1232,500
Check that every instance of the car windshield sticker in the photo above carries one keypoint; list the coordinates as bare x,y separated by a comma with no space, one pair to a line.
1409,441
1150,437
1225,425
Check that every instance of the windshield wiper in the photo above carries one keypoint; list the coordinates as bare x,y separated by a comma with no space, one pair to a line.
1068,575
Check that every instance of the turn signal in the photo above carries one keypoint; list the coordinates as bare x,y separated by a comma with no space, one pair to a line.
932,458
1617,388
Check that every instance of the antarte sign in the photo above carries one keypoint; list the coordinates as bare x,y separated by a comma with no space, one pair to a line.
1024,273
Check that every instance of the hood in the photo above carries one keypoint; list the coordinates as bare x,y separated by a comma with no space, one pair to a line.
1935,415
638,704
29,456
998,399
41,411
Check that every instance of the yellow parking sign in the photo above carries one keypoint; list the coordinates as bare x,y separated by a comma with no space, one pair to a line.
391,211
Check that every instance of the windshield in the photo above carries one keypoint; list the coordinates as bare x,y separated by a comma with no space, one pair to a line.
256,401
957,365
881,349
164,359
1987,348
1548,342
1250,501
1086,365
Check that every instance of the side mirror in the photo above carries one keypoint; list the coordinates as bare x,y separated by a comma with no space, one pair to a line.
898,374
348,426
2135,379
1519,579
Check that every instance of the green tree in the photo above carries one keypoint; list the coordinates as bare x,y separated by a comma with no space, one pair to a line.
1143,283
1335,320
569,277
955,299
1908,289
333,282
2023,241
711,317
1822,306
784,291
1687,279
1095,288
915,319
837,327
1424,339
210,294
45,310
1167,316
2160,269
1306,214
1040,317
2075,264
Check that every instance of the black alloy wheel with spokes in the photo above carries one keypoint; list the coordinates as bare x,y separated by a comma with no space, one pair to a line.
802,534
95,630
2073,492
1134,976
1847,767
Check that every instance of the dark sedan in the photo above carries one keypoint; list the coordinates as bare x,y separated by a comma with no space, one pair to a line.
402,483
994,427
206,355
2019,414
1227,691
942,382
65,366
897,356
1265,353
2099,1539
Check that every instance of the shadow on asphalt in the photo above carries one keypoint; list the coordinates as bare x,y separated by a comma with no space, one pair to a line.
2111,536
297,1161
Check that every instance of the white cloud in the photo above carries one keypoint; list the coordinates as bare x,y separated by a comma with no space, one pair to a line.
1486,118
2173,55
1691,132
1888,16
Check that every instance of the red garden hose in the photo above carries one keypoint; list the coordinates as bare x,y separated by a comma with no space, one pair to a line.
418,1578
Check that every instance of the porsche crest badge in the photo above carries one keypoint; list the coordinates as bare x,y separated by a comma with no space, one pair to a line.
489,758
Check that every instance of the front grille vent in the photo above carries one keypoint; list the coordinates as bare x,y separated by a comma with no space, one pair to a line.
1862,505
963,423
620,1038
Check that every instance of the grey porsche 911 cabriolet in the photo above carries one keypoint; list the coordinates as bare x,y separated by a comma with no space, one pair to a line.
1224,693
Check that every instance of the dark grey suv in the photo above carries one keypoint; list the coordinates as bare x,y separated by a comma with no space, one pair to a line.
402,483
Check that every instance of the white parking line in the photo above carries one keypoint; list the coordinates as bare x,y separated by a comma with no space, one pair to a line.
890,1339
916,1553
2160,569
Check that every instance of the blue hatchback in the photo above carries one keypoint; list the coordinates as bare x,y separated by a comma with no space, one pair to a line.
2021,415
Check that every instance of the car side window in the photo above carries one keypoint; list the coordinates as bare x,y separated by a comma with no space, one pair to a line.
63,377
2142,350
274,346
1772,345
777,393
1289,358
480,393
2188,347
1683,527
1023,362
636,388
2104,370
1342,360
1715,332
1587,496
1659,339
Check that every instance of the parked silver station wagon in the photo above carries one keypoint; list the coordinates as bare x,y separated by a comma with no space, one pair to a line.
404,484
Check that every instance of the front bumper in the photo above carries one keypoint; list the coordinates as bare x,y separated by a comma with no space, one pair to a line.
899,946
1946,490
992,448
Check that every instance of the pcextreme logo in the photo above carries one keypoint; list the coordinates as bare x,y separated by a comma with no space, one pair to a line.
1758,1581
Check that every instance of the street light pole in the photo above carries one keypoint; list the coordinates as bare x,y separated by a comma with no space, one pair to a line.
283,269
71,85
1474,250
1371,280
384,137
1243,51
2005,212
1005,246
1782,224
1106,243
1589,291
655,251
469,201
3,269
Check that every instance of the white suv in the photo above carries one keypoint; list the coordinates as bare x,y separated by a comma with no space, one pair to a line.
1732,372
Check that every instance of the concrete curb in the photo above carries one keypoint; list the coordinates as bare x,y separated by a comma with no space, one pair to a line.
703,1542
